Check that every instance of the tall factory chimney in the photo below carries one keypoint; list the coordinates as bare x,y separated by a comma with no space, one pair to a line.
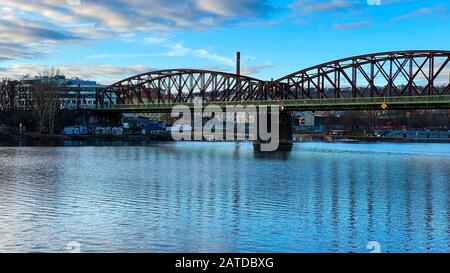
238,63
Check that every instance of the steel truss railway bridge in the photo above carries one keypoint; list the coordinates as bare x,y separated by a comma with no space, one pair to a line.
417,79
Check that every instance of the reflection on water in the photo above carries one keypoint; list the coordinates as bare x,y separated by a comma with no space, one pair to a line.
223,197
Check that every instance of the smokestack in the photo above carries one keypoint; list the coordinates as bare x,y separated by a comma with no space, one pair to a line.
238,63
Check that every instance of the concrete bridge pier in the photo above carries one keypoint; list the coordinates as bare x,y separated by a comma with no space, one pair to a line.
285,133
286,136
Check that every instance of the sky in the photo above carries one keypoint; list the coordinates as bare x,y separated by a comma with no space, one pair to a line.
108,40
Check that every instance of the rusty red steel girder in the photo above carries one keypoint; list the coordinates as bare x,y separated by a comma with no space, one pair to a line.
182,85
386,74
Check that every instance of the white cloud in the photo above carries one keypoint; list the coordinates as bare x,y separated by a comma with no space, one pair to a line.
251,70
105,74
174,50
203,53
327,5
439,9
180,50
42,22
233,7
155,40
177,50
348,26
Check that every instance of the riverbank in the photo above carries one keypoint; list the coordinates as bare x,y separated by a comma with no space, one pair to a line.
349,138
32,137
36,139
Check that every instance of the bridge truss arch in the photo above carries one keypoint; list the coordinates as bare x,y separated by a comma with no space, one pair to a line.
418,79
386,74
181,86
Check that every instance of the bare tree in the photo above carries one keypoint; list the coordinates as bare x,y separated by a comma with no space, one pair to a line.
352,120
330,120
3,95
8,93
371,118
46,99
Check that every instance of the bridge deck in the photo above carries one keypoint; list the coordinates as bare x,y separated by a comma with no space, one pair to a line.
393,103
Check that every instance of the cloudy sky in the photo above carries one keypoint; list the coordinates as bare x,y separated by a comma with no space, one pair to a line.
106,40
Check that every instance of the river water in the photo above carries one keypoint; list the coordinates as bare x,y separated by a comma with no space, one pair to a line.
224,197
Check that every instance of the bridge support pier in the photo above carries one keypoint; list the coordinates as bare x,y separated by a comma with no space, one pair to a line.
285,133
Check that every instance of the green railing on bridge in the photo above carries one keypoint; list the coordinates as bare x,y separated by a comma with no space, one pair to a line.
412,102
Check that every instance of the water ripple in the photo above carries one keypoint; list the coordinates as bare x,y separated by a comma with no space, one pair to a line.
223,197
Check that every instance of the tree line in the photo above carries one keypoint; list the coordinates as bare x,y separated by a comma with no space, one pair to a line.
37,106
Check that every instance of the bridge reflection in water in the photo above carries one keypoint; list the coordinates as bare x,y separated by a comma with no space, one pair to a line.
222,197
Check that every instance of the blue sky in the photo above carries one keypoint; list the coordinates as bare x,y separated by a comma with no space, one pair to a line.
107,40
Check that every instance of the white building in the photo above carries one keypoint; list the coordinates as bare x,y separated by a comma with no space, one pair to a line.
76,93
